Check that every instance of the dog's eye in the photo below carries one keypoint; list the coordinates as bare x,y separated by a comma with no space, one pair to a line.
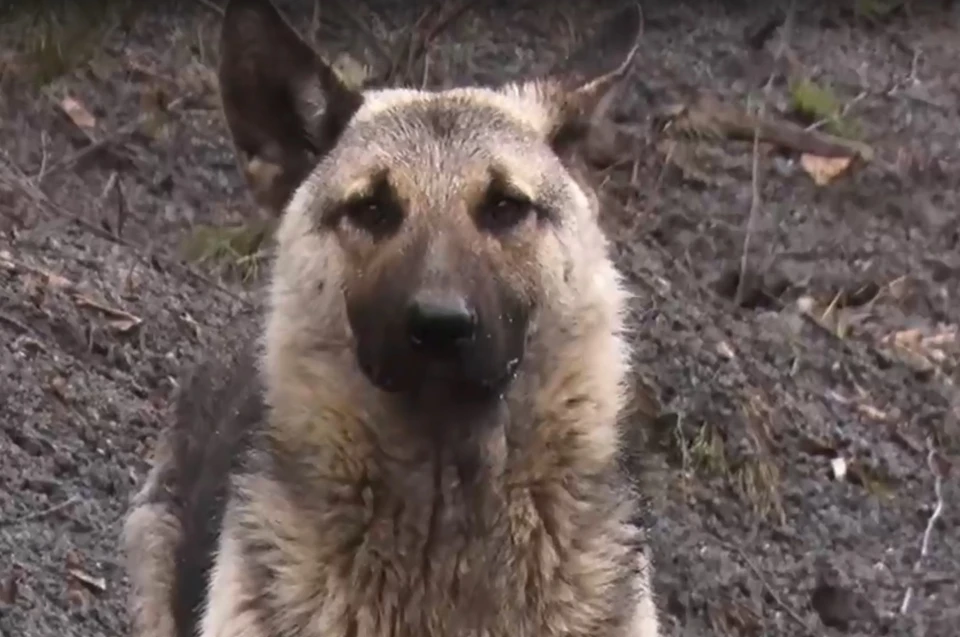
502,212
375,216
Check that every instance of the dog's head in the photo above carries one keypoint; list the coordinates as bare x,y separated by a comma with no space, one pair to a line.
432,235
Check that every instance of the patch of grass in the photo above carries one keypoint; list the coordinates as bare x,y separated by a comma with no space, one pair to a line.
815,103
875,481
877,10
756,480
706,451
698,449
239,250
353,72
59,36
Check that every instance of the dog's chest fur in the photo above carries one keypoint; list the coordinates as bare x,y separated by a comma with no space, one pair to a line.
430,551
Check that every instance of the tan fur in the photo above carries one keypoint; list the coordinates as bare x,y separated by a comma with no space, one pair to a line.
150,531
230,609
358,516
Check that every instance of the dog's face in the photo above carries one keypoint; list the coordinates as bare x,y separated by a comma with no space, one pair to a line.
430,231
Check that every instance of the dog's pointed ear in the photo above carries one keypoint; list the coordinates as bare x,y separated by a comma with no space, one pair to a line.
284,105
578,92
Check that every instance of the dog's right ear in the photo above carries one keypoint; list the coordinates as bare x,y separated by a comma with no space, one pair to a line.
285,107
576,95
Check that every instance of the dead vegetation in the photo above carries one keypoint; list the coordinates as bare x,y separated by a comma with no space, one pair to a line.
783,190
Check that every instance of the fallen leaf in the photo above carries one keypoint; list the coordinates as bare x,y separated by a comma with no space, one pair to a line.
908,338
806,304
125,325
120,320
872,412
116,313
948,337
97,583
352,71
154,99
51,280
724,349
9,589
839,466
823,170
57,282
78,114
58,386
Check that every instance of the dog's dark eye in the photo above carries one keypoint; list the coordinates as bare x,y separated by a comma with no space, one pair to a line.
501,212
376,216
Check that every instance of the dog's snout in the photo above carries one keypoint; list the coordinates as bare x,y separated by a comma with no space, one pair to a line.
439,321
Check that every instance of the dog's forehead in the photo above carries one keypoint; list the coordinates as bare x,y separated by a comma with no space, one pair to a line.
465,114
433,144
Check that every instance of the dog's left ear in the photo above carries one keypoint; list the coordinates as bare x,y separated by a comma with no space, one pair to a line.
284,105
577,94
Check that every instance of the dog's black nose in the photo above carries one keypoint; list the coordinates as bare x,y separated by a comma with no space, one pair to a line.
439,321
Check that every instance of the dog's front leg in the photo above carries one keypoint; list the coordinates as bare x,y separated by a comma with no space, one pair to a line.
231,609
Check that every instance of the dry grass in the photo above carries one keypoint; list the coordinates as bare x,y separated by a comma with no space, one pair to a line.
55,37
239,250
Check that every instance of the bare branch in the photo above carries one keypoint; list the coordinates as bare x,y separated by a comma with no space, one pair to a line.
931,522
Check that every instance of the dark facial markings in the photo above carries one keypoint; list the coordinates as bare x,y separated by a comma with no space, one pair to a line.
500,209
504,207
377,211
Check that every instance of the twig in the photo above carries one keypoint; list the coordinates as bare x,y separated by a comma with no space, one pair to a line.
41,199
114,312
443,22
122,208
213,7
786,30
43,157
416,50
365,29
756,36
426,71
16,323
99,584
709,117
937,512
406,48
751,220
93,147
31,517
820,123
315,23
788,609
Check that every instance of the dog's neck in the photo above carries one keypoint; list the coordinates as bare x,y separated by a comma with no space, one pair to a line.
337,429
557,420
368,485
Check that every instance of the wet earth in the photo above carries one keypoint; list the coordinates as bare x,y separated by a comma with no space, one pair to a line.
797,418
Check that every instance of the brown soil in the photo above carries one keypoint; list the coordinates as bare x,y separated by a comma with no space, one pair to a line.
846,344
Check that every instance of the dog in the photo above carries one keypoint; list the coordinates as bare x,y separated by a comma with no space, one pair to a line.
425,439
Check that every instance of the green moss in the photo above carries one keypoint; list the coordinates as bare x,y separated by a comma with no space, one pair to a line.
876,9
815,103
237,249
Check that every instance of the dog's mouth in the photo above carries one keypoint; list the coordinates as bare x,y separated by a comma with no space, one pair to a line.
471,372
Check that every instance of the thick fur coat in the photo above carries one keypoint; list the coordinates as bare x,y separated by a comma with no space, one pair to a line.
347,483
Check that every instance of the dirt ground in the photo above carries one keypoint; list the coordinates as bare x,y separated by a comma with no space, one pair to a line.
791,445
